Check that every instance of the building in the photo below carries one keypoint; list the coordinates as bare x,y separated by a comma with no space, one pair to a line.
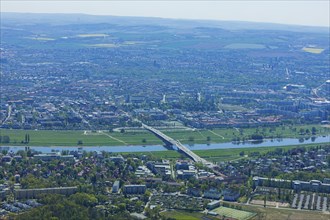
182,165
6,159
213,205
135,189
162,168
186,174
53,156
143,171
194,192
212,194
117,159
230,195
153,182
115,186
326,180
33,193
2,195
313,185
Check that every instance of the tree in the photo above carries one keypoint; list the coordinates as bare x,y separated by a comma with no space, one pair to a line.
314,130
122,130
84,199
80,142
122,207
256,137
279,193
208,138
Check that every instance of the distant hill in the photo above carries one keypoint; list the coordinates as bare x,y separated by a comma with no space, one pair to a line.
61,19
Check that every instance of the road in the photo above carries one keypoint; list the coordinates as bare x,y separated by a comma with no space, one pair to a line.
183,149
116,139
8,115
176,143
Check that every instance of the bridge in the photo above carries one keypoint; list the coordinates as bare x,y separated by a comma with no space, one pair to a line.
170,142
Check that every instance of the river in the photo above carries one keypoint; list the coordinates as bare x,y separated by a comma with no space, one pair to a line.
140,148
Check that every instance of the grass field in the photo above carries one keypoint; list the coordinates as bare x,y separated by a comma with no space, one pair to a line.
71,137
234,213
219,154
182,215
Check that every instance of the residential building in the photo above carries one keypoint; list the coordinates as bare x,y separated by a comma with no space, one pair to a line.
116,186
135,189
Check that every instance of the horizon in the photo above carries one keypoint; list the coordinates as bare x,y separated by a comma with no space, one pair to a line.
275,12
180,19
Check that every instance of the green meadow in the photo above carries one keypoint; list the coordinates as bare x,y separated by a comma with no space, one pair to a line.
106,138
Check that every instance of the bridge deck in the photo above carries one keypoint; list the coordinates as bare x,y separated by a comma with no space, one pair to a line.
182,149
176,143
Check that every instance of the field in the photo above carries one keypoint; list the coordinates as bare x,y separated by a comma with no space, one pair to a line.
41,38
313,50
182,215
244,46
71,137
233,213
92,35
277,214
103,45
219,154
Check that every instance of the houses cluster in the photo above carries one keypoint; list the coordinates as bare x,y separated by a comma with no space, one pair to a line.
298,159
16,207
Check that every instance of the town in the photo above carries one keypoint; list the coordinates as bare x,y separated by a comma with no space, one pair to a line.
82,82
119,118
145,186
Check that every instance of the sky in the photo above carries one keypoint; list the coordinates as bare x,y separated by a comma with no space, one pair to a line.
308,12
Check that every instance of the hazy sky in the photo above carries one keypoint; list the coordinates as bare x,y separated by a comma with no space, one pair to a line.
308,12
